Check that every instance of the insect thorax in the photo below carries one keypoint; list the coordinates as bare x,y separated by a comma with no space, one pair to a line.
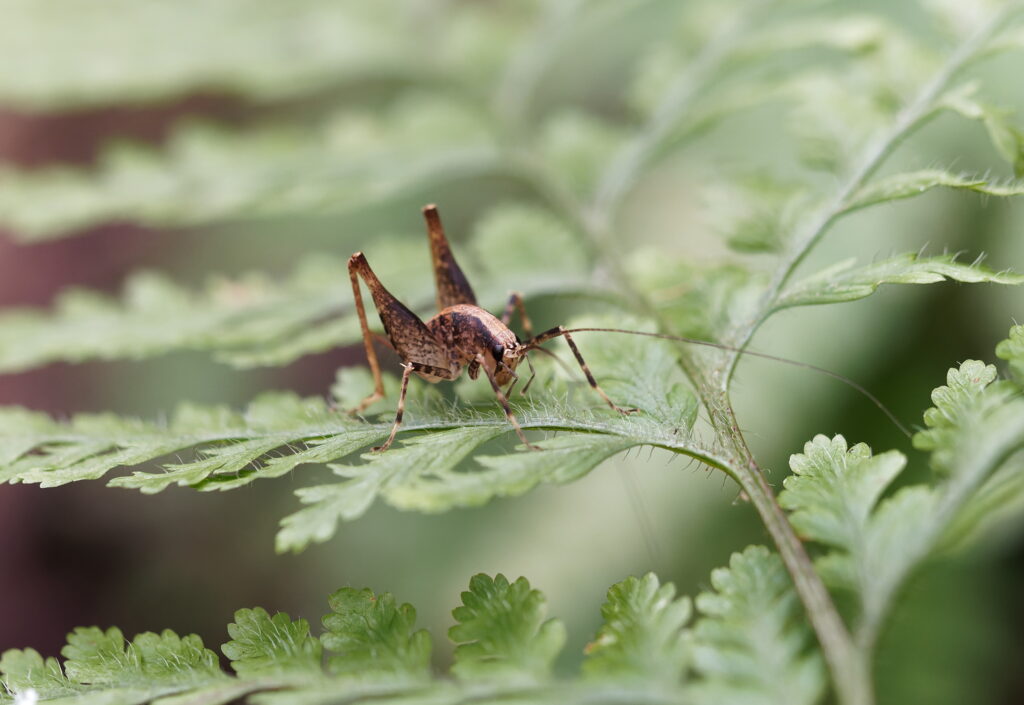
470,331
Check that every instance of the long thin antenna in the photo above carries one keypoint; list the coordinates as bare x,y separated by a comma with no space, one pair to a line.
765,356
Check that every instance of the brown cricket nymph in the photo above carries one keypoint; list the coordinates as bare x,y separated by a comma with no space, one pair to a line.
461,335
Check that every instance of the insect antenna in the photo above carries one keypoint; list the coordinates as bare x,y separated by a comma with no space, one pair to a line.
560,361
731,348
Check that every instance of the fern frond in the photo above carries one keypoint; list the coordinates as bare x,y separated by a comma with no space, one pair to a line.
253,320
504,651
846,282
279,431
262,645
25,669
836,493
206,174
909,185
372,636
642,636
749,645
501,633
241,48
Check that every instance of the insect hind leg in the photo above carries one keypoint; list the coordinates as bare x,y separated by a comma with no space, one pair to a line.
357,265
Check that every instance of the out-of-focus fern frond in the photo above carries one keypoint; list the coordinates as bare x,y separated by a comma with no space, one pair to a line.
899,186
847,282
642,636
259,50
208,174
256,321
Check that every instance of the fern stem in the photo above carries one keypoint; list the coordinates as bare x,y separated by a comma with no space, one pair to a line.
847,664
917,112
848,661
849,672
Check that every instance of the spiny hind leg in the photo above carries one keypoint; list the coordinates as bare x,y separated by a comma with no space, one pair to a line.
407,335
356,265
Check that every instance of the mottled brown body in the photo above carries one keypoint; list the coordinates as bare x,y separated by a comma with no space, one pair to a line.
467,331
461,335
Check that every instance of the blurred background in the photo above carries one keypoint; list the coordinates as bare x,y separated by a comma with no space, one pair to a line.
104,110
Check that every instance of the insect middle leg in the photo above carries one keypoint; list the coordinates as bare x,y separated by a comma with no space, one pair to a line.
408,369
560,332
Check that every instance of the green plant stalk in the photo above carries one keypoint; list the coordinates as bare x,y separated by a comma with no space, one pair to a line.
850,674
848,665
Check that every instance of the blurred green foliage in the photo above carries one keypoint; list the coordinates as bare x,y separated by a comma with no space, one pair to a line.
642,164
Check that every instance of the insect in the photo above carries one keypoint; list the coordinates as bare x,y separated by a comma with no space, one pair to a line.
460,336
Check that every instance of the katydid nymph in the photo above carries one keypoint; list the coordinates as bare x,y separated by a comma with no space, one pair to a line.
462,335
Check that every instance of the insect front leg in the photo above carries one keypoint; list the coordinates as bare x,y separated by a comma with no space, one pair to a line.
561,332
504,404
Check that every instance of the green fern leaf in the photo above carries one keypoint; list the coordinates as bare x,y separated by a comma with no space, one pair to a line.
976,425
255,57
372,637
501,632
833,494
98,657
911,184
846,282
833,490
208,175
750,644
642,636
959,408
1006,137
164,660
252,320
24,670
262,645
1012,350
575,145
696,301
432,454
754,213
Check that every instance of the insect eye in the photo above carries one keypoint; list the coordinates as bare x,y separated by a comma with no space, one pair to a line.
499,352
